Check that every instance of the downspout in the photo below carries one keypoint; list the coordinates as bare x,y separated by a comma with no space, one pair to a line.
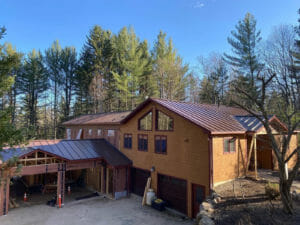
210,158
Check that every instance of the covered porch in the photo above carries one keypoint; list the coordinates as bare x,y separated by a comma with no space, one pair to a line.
109,176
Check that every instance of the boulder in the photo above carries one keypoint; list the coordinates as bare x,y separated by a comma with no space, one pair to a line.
206,206
205,220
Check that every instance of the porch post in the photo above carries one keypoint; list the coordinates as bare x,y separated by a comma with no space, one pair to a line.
61,183
4,193
2,196
255,156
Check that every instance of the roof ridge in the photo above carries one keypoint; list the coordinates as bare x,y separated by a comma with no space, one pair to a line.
198,104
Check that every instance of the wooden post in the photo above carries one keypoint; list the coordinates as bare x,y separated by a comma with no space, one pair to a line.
102,179
107,180
61,183
2,196
255,157
249,156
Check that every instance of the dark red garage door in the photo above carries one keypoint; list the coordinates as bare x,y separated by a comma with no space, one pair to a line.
139,179
173,191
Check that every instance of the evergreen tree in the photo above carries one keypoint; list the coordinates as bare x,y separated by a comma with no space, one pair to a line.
168,69
53,59
33,81
68,64
245,59
9,135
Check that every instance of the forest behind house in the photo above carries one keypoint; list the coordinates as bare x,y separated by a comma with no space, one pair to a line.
112,72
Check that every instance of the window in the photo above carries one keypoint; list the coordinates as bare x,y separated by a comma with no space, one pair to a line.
161,144
90,132
163,122
128,141
142,142
229,145
99,132
68,133
111,133
145,123
79,134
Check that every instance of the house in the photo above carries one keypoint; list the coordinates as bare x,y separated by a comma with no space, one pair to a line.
187,149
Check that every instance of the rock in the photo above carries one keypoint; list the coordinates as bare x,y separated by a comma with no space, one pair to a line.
205,220
205,213
206,206
219,199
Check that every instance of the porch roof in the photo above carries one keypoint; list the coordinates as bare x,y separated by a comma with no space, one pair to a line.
71,150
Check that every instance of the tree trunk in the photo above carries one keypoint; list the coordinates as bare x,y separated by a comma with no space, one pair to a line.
285,192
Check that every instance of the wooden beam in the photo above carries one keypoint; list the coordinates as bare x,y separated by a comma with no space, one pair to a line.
249,156
36,169
255,156
107,180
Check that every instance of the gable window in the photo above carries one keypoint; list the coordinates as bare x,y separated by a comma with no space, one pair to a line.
145,123
128,141
163,122
68,133
229,145
90,132
142,142
99,132
161,144
111,133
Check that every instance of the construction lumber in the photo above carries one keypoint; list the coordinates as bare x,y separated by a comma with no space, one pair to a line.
146,190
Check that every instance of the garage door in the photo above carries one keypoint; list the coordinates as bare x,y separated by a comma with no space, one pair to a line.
139,179
173,191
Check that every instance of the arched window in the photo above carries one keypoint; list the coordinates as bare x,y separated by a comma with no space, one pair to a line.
163,122
145,123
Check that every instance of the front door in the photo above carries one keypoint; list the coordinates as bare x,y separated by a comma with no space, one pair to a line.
198,196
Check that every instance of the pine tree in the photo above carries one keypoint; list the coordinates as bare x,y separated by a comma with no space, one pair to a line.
9,135
52,59
33,82
68,64
168,69
245,59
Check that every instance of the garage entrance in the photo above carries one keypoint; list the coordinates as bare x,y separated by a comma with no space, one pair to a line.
139,179
173,191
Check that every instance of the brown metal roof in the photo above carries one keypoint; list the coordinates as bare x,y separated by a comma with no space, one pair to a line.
70,150
212,118
96,119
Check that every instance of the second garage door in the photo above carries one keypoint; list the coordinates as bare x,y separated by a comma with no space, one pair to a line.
139,179
173,191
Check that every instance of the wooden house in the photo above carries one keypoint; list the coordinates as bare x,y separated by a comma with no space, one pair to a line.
187,149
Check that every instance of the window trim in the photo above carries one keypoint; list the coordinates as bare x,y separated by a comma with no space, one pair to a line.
164,153
138,125
156,121
124,140
234,149
138,137
99,129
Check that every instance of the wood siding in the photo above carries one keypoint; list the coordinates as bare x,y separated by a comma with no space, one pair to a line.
187,154
229,165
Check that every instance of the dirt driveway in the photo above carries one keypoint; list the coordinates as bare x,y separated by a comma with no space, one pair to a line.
98,210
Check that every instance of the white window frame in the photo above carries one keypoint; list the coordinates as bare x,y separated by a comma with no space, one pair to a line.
99,132
110,133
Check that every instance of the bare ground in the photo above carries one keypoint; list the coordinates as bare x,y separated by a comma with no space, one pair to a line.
244,202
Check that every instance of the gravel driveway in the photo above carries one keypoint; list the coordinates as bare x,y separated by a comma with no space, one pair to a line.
97,210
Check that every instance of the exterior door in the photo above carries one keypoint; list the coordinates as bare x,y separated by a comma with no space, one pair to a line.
139,179
198,196
173,191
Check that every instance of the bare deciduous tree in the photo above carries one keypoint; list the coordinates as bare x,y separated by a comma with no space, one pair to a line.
277,76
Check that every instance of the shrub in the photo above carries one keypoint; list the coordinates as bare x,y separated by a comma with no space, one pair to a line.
272,190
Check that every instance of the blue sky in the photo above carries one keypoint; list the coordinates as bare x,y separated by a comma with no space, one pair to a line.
197,27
